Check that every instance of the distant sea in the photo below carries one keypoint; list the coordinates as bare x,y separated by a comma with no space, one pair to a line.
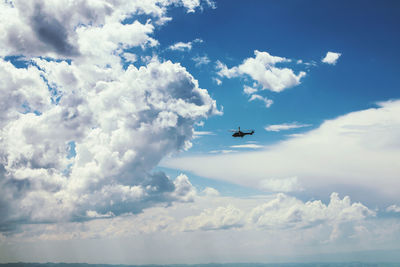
341,264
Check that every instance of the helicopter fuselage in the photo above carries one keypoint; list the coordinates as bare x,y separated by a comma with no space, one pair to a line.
241,134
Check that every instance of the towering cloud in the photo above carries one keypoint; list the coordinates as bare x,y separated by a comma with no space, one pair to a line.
81,133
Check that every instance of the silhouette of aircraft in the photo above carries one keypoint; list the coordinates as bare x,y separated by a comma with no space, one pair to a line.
239,133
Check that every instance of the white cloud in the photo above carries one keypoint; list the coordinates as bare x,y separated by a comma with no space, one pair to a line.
223,151
331,58
80,137
200,123
192,5
99,45
211,192
254,146
393,208
202,133
285,126
21,90
262,69
249,90
224,71
81,29
288,222
267,102
276,212
95,214
218,81
281,185
285,211
181,46
184,191
129,57
352,154
312,63
220,218
201,60
48,28
106,155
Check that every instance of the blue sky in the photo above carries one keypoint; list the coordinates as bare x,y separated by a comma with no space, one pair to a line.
363,32
296,30
116,143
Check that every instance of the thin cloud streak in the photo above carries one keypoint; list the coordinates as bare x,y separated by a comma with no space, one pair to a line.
285,126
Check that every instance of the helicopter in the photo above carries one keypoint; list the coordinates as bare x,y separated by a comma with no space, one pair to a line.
239,133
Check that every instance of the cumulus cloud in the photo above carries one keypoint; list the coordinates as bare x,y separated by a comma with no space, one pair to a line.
110,126
63,29
285,126
285,211
220,218
263,70
43,28
21,90
209,191
184,191
288,222
352,154
81,133
279,211
331,58
274,212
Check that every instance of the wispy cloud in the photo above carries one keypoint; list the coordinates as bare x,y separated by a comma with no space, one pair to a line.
249,90
267,102
191,5
201,60
285,126
202,133
253,146
181,46
223,151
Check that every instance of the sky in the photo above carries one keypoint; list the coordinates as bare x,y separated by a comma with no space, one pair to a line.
116,124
